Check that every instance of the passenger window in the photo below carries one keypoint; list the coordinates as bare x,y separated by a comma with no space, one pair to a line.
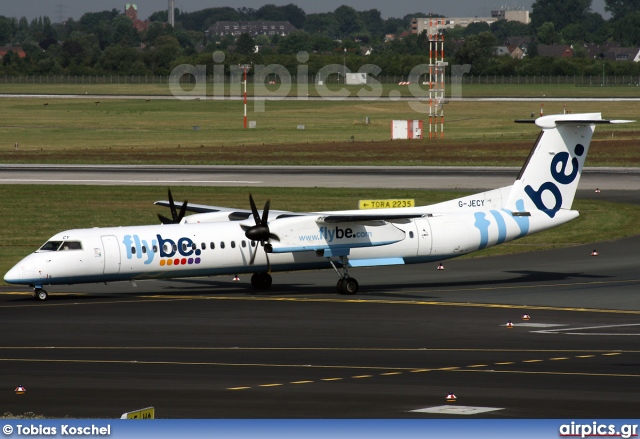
244,244
175,248
193,246
212,245
233,244
222,244
133,250
155,249
144,249
184,247
410,234
203,246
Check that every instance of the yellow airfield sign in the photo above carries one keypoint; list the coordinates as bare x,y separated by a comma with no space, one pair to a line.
148,413
386,204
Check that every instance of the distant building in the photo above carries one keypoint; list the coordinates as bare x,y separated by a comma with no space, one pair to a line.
556,50
17,50
131,11
611,51
253,28
418,25
521,15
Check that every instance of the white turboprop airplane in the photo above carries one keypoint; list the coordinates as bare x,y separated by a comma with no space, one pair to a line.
218,241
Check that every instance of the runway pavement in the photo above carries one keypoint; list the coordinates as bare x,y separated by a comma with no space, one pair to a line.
213,348
421,177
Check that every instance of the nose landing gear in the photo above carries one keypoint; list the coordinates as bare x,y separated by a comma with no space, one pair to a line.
40,294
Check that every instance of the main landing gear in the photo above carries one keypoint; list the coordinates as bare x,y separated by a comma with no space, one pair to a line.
346,285
40,294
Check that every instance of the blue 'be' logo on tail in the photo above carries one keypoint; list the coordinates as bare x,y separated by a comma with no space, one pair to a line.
559,175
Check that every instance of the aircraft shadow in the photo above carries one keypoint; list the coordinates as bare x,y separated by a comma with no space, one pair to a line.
388,290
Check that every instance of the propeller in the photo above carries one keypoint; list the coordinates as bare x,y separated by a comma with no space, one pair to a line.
175,216
260,232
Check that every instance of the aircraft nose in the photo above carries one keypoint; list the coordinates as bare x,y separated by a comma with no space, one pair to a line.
12,276
23,270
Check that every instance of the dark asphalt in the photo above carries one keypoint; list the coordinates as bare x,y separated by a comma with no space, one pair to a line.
212,348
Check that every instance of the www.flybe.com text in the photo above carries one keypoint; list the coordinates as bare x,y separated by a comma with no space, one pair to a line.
330,235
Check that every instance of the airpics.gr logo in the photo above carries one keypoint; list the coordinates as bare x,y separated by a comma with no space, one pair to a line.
183,252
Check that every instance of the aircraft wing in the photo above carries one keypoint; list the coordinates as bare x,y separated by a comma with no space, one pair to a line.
197,208
234,214
334,219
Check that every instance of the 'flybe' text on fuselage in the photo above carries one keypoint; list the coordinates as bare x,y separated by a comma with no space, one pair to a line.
182,252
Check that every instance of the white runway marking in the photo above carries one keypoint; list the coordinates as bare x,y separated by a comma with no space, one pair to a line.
577,331
537,325
456,410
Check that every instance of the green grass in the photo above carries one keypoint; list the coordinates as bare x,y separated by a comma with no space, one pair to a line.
161,131
33,213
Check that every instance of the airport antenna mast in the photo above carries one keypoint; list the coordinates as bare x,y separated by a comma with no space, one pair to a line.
60,12
436,77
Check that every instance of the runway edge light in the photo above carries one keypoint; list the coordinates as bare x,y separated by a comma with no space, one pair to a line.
440,266
451,397
526,317
594,253
20,390
509,324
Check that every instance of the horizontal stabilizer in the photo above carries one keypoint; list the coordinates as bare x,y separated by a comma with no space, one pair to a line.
570,119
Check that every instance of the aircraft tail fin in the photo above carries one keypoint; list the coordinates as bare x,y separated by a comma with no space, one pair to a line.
549,178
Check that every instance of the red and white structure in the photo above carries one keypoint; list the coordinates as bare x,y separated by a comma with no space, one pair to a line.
244,68
436,77
406,129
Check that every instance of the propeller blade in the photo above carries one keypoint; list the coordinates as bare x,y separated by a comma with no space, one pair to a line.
172,206
253,255
176,217
183,210
265,213
274,237
254,210
164,219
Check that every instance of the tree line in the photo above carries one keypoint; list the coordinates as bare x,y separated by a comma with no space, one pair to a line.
105,43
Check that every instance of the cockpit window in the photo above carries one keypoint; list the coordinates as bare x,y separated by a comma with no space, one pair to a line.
71,245
52,246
